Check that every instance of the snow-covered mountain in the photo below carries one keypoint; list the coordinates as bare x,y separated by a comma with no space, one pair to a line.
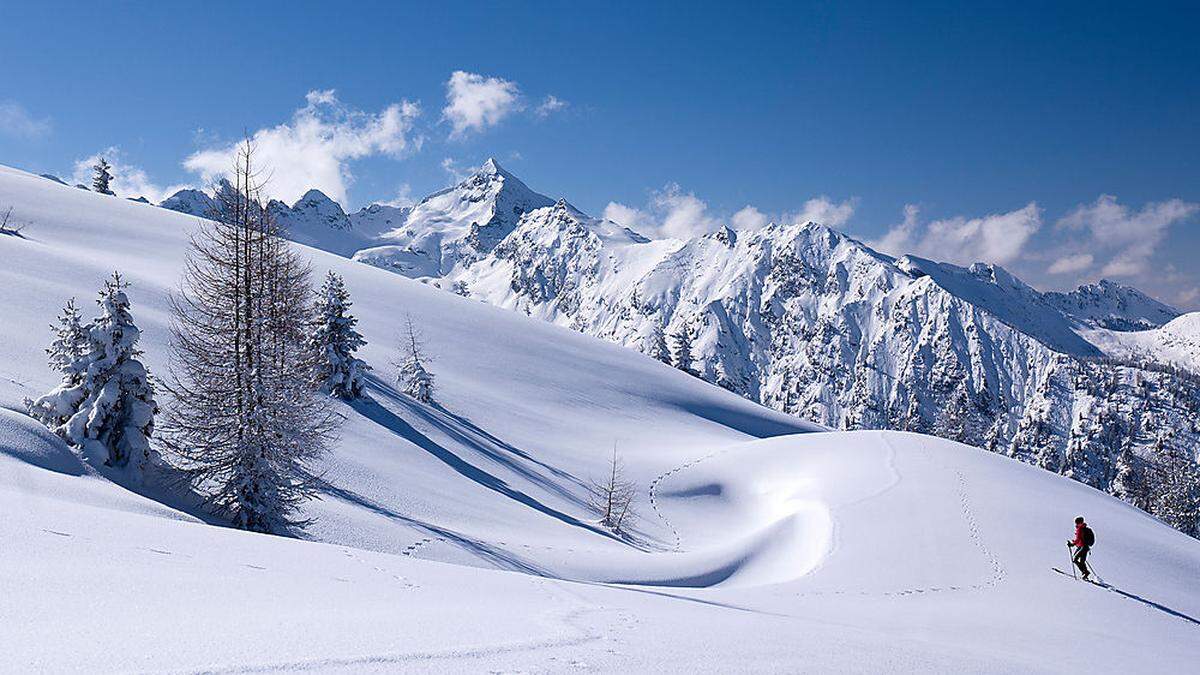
318,221
1112,306
1176,343
375,219
313,220
458,537
190,201
806,320
457,226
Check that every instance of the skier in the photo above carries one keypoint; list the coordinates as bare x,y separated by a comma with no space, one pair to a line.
1083,542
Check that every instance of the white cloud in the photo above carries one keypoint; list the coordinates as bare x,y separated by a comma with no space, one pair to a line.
127,181
820,210
674,213
314,149
550,105
403,197
16,122
1072,264
994,238
1188,297
671,213
898,240
683,215
475,102
1128,238
748,218
824,211
628,216
456,172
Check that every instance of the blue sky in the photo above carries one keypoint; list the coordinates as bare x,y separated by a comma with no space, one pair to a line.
1062,142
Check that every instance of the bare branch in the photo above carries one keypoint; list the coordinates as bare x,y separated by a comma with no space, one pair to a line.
613,496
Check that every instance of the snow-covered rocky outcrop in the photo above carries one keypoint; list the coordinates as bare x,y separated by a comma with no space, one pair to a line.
189,201
457,226
1110,305
375,219
814,323
314,219
318,221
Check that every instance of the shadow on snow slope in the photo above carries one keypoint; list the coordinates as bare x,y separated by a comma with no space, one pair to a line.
453,427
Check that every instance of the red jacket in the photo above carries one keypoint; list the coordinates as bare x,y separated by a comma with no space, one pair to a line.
1079,535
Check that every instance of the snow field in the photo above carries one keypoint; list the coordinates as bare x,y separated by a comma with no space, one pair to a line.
456,537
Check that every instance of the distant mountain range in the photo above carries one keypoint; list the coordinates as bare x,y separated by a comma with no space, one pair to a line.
807,320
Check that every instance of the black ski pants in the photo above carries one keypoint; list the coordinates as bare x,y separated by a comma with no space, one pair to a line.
1080,559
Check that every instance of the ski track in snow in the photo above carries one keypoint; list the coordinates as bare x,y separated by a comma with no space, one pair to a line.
567,620
678,546
998,572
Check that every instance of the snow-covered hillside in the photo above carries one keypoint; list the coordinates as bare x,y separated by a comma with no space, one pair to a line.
1175,343
847,552
808,321
762,543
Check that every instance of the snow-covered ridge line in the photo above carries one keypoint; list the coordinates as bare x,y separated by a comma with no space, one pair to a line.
807,320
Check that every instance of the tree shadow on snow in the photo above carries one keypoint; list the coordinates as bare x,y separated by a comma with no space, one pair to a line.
469,436
480,549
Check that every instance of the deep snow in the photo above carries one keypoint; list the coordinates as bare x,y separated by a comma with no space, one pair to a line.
759,546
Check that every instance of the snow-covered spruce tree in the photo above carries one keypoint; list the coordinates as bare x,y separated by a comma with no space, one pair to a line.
102,177
245,421
682,356
66,355
1128,482
1176,486
70,339
105,404
412,370
334,340
656,345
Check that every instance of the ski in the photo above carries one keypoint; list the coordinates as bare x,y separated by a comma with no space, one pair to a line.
1094,582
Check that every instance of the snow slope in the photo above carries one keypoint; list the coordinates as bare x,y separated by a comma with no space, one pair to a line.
1175,343
758,547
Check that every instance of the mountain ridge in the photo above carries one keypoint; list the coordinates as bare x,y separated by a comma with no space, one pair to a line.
810,321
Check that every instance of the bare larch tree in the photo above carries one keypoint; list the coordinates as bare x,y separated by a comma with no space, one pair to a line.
245,421
613,496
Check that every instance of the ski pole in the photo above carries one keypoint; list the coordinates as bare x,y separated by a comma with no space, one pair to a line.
1071,565
1092,569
